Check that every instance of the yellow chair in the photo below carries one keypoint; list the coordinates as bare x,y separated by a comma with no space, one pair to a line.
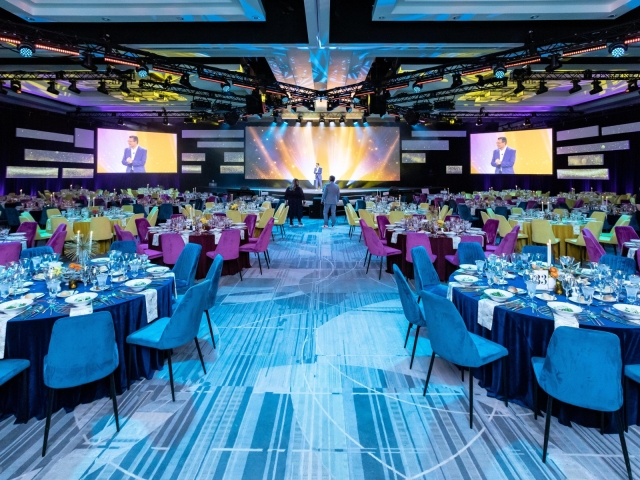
52,225
504,227
396,216
278,212
352,218
561,211
266,204
102,233
542,233
368,218
423,206
370,204
516,211
234,215
131,224
485,217
264,218
209,204
127,208
152,218
281,218
444,211
611,238
40,234
187,210
600,216
490,212
593,227
197,213
53,211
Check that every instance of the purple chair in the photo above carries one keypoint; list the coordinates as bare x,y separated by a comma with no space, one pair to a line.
416,240
594,250
382,227
29,228
376,247
56,242
531,204
508,244
449,217
118,231
453,259
10,252
261,245
579,203
211,199
98,202
437,201
460,200
172,246
250,220
491,229
127,236
60,228
177,215
143,226
560,200
624,234
228,248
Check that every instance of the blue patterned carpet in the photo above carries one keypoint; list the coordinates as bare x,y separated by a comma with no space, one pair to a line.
310,380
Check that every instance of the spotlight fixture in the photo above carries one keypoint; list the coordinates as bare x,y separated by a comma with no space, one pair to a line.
554,63
26,50
189,120
285,100
519,88
417,87
143,71
299,119
456,80
616,49
349,108
322,118
342,119
597,88
332,104
479,121
527,122
74,87
184,80
16,86
124,88
632,85
309,105
480,80
542,88
120,121
499,71
3,91
102,88
226,86
87,62
52,88
165,121
576,86
355,100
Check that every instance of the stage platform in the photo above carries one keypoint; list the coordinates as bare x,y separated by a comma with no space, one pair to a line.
309,193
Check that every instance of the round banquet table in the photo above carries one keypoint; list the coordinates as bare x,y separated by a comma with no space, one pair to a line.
526,334
441,245
562,231
84,227
28,338
208,243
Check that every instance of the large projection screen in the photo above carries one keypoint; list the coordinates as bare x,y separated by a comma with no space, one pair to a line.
351,154
154,152
527,152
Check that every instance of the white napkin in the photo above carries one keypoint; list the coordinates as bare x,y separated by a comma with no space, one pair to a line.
185,237
394,237
4,318
473,210
456,242
82,310
564,321
450,289
172,275
151,298
485,312
632,252
217,236
156,240
242,234
576,229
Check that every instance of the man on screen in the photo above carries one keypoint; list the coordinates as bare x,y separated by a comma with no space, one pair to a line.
135,156
503,157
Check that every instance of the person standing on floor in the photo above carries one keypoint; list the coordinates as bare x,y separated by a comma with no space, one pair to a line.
330,196
294,196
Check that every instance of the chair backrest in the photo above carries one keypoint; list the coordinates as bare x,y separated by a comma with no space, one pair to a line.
101,228
623,221
594,227
56,242
516,211
131,224
265,217
508,244
124,246
541,231
624,234
490,212
423,206
234,215
266,204
447,332
172,245
594,250
214,273
490,228
409,304
367,217
184,324
127,208
532,204
444,211
579,203
616,262
250,220
504,211
152,218
424,273
142,225
229,244
373,242
165,211
29,228
281,218
396,216
187,263
265,236
278,213
352,216
118,231
26,217
382,225
56,222
504,227
187,210
583,367
82,349
469,252
600,216
485,217
36,252
415,240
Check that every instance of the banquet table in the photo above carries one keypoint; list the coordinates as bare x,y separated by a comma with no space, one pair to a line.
84,227
28,338
526,334
562,231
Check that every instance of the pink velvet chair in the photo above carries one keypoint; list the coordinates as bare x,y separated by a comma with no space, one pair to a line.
118,230
261,245
453,259
61,228
56,242
172,246
143,226
507,245
10,252
624,234
491,229
594,250
228,248
416,240
579,203
29,228
251,220
376,247
382,227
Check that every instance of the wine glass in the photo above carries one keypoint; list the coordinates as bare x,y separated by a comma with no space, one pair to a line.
4,289
632,293
480,267
532,286
587,292
491,277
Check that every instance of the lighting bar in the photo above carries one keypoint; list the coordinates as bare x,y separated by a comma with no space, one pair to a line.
580,51
429,80
211,79
248,87
632,40
367,92
477,70
167,70
121,61
57,49
398,86
524,61
275,92
9,40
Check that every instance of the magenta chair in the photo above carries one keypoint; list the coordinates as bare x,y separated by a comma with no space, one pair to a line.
531,204
172,246
416,240
10,252
624,234
128,236
228,248
118,231
261,245
56,242
491,230
453,259
250,220
594,250
579,203
29,228
376,247
61,228
143,226
382,227
507,245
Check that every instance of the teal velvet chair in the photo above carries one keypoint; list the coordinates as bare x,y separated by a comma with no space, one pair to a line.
215,270
469,252
36,252
124,246
185,267
171,332
631,372
583,367
616,262
411,309
424,274
82,350
10,368
451,341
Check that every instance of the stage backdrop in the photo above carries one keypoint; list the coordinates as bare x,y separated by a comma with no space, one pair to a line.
349,153
162,156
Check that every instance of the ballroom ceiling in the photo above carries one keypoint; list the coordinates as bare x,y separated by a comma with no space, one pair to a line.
323,44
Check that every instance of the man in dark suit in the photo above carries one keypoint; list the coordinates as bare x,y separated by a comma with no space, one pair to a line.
503,157
135,156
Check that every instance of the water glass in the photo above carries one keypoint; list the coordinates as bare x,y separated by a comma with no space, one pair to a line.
532,286
632,293
480,267
4,290
102,280
587,292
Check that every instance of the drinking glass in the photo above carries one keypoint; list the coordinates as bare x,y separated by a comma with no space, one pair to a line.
4,290
587,292
532,286
632,293
491,277
135,266
480,267
102,280
94,277
634,279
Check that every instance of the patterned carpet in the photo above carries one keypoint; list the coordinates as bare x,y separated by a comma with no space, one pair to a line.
310,380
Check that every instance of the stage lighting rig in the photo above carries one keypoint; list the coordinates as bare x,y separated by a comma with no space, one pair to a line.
124,88
554,63
597,88
73,87
322,118
499,71
576,86
456,80
519,88
16,86
102,88
417,87
617,49
88,62
542,88
26,49
143,71
52,88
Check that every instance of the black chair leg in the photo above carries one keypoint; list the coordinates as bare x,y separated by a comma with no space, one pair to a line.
260,264
426,384
200,355
415,344
623,443
239,268
368,264
505,380
536,409
210,328
50,399
266,258
462,372
129,364
470,397
112,388
547,426
268,255
601,423
406,339
366,255
625,387
380,272
25,394
173,394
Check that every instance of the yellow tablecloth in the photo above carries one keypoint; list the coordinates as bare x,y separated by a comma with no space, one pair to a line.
562,231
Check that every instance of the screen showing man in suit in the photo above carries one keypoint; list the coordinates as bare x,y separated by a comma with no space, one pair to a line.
127,151
524,152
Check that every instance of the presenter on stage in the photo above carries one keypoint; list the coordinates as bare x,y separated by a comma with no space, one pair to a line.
317,177
330,196
135,156
503,157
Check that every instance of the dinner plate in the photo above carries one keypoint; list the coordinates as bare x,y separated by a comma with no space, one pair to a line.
66,294
545,297
100,289
34,296
469,267
605,298
628,311
465,279
15,306
39,277
563,308
100,260
497,295
81,299
19,292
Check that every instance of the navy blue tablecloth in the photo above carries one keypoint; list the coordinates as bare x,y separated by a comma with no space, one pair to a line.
527,335
29,339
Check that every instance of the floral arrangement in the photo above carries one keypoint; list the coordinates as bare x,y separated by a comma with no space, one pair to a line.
233,206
